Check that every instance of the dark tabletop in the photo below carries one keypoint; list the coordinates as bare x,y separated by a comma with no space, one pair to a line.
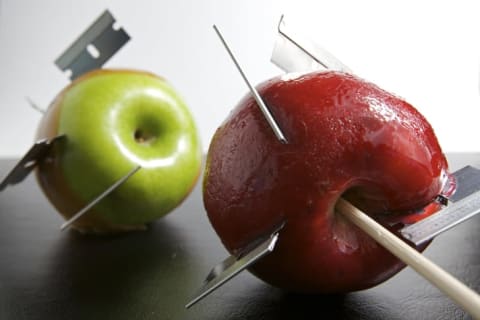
49,274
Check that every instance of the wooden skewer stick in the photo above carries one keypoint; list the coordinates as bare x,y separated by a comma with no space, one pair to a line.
468,299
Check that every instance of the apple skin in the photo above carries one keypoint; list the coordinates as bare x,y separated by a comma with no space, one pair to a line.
346,137
115,120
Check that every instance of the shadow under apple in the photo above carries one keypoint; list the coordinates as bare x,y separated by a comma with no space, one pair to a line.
121,276
334,306
247,300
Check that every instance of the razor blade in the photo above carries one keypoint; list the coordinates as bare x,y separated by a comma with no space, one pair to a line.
462,205
94,47
37,153
234,264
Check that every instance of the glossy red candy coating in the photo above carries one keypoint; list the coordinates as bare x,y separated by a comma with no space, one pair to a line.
344,134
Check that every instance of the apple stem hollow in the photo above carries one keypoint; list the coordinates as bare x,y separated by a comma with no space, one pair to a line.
142,136
468,299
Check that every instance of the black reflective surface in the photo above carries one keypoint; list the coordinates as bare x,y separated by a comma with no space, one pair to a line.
49,274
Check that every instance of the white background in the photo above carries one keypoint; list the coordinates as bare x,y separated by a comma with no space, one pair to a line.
425,51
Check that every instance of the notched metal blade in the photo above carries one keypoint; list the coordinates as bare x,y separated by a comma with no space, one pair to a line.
35,154
102,38
234,264
464,204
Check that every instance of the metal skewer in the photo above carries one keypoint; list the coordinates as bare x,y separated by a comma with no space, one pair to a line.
34,105
261,104
304,54
281,23
92,203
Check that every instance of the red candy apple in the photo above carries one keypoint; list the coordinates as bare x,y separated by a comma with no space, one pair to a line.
346,138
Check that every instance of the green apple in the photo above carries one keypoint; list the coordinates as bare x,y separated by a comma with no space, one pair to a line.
114,121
